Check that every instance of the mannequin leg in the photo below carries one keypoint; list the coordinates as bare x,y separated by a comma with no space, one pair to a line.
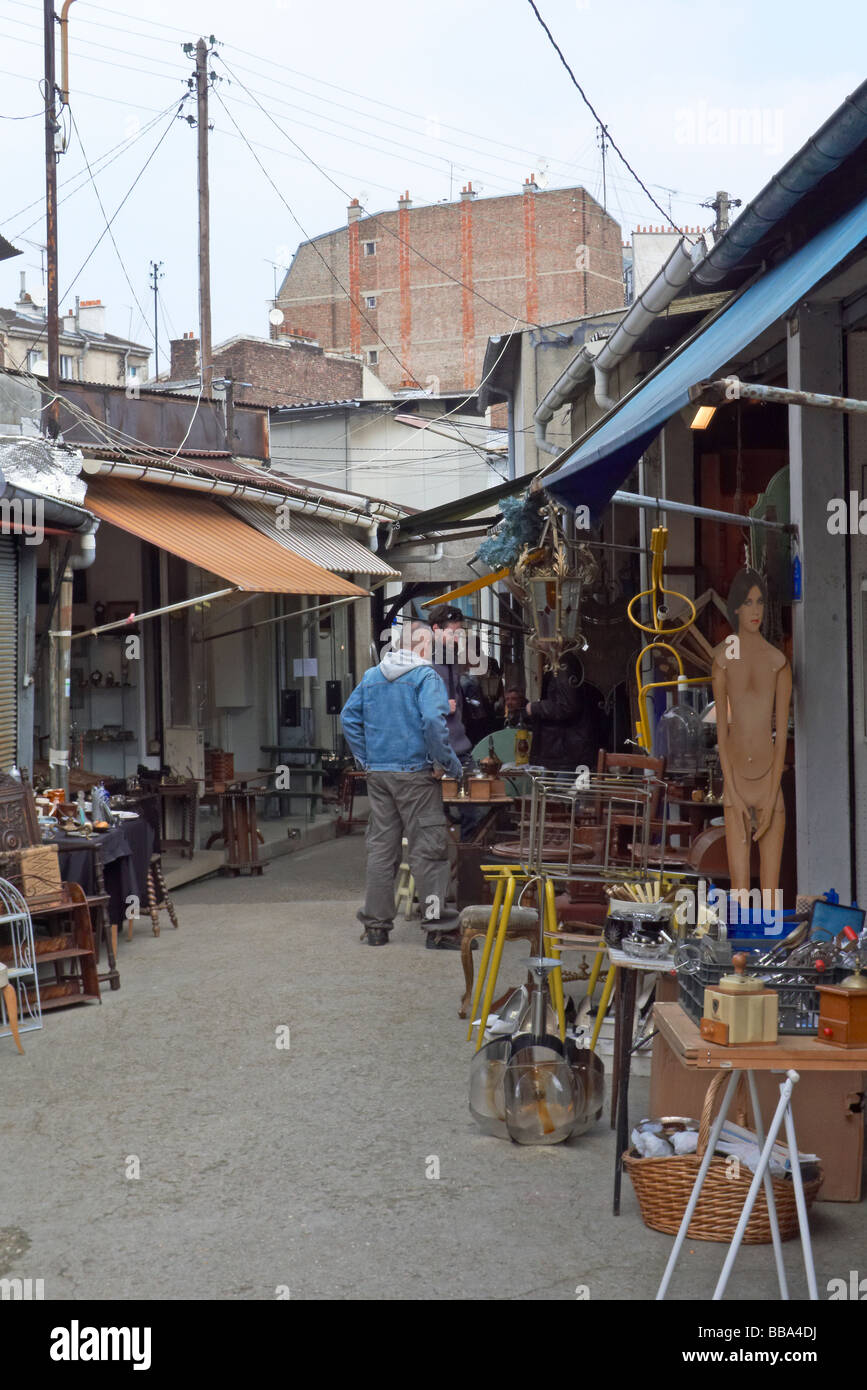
770,857
738,849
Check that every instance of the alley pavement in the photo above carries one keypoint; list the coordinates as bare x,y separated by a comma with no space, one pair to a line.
268,1108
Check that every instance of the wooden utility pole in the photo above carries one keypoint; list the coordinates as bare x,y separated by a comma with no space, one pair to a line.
52,307
156,276
204,217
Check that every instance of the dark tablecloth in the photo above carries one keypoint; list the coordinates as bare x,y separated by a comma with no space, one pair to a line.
125,851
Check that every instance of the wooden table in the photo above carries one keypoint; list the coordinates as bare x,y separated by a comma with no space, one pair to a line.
792,1054
187,794
803,1053
240,827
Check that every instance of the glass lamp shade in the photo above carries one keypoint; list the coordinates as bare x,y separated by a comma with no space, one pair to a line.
588,1067
680,740
487,1097
544,1096
544,604
570,608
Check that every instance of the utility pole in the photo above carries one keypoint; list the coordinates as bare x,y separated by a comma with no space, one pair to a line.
52,307
603,142
204,217
156,276
721,205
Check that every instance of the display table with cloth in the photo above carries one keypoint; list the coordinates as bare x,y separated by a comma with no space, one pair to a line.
118,858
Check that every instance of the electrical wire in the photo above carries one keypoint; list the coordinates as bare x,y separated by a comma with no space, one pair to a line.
404,368
120,205
454,278
108,224
591,108
115,151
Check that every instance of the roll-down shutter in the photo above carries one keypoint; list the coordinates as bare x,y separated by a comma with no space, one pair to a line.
8,652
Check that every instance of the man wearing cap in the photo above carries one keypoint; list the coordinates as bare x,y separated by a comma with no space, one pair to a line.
395,724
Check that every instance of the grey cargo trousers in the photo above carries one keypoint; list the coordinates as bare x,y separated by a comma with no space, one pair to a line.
406,804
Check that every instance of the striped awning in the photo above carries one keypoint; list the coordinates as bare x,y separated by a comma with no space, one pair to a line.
315,540
203,533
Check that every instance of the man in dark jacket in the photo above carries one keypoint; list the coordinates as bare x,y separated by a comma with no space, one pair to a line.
567,722
448,629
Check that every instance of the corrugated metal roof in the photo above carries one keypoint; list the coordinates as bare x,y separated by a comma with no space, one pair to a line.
203,533
314,540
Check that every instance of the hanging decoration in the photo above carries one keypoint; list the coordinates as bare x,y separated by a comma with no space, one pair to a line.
551,579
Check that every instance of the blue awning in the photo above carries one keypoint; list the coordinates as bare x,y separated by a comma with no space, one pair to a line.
594,468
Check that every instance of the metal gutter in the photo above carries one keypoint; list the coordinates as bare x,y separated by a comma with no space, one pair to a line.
824,152
223,488
658,295
65,514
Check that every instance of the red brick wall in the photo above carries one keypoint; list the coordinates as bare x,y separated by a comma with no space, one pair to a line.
506,243
281,373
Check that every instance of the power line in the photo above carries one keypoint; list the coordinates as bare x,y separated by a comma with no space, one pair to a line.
120,205
107,223
591,108
115,151
404,368
455,279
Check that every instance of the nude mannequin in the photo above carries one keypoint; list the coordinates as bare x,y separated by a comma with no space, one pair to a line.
753,682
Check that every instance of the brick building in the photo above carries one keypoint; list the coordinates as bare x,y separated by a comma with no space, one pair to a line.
290,371
535,257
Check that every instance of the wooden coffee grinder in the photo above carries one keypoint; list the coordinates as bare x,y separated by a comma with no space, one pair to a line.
843,1008
739,1009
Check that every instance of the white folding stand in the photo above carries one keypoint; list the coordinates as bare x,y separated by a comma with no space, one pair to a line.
783,1115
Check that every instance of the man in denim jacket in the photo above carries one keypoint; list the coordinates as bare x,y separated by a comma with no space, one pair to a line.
395,724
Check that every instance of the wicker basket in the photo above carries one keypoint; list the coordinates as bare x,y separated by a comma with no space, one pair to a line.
663,1187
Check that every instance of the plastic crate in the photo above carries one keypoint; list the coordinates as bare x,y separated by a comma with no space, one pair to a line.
798,1000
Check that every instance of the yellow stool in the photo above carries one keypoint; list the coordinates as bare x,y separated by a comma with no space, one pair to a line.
507,877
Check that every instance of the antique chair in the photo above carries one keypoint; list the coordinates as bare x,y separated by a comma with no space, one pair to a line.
19,830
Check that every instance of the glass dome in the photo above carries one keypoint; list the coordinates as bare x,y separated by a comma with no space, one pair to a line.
680,740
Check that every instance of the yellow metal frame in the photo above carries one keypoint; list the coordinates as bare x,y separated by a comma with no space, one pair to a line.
658,545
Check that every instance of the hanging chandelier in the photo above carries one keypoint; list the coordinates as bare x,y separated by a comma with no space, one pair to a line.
551,579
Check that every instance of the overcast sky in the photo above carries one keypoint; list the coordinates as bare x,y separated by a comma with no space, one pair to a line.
386,96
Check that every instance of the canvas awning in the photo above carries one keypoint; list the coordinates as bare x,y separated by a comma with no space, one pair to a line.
201,532
314,540
592,469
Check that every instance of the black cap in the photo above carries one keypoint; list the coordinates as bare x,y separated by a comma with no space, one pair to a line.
445,613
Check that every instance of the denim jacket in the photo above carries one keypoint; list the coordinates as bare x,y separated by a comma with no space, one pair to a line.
395,718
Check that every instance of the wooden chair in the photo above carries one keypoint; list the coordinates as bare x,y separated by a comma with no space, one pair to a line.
159,898
19,829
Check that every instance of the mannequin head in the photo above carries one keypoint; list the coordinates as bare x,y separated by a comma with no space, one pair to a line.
747,601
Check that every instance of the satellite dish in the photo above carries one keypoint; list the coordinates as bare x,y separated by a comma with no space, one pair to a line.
276,316
39,296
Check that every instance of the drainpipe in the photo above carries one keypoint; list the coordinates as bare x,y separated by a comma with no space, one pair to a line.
602,361
657,297
61,642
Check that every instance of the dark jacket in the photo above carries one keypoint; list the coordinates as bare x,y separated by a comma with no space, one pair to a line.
568,725
459,739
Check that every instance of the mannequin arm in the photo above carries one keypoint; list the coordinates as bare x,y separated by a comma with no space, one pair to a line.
782,701
721,701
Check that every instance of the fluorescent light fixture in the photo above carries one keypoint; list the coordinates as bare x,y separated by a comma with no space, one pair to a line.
702,417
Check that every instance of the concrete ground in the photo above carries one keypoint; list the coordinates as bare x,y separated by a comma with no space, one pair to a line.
263,1169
